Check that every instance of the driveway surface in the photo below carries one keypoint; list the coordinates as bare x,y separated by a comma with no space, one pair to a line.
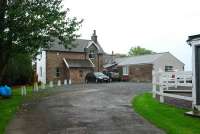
84,109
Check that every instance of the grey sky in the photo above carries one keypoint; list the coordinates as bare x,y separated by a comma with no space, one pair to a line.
159,25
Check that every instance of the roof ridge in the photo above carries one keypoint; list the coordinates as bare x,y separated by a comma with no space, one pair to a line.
143,55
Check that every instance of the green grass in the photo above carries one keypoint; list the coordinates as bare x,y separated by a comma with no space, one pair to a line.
169,118
9,106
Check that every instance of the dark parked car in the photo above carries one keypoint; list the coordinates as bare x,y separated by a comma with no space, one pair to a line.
97,77
113,75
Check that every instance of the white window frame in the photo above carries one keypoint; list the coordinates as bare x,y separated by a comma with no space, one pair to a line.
92,54
125,70
169,68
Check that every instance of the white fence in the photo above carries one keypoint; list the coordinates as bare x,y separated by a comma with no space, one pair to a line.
166,80
43,86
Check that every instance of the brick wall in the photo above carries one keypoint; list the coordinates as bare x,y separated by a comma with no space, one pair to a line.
140,72
55,59
78,74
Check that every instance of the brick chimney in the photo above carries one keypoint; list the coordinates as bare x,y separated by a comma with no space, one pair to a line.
94,37
112,56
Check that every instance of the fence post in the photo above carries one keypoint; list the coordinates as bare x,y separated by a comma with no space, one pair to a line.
70,82
59,83
161,94
154,83
184,79
42,85
161,85
176,80
51,84
23,91
167,83
35,87
65,82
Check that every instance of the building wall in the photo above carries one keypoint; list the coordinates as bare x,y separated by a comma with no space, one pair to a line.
55,59
98,60
78,74
140,72
41,67
168,60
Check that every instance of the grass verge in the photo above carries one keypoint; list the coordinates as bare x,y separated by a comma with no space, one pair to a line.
9,106
169,118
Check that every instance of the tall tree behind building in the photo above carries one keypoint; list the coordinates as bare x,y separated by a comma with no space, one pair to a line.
135,51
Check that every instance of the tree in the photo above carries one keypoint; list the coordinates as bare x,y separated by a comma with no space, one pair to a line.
26,26
134,51
19,70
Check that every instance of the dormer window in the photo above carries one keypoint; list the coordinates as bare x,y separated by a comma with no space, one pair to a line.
92,54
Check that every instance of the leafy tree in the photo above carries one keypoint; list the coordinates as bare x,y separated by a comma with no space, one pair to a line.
29,25
134,51
19,70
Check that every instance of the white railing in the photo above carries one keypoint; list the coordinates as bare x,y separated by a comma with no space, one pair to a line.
166,80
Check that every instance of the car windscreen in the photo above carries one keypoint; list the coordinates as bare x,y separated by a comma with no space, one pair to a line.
99,74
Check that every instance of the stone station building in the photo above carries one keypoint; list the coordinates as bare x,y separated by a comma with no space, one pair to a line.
59,63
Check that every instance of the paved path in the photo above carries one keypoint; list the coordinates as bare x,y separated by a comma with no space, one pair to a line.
84,109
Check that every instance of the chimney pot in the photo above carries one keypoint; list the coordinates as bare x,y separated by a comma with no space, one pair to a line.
94,36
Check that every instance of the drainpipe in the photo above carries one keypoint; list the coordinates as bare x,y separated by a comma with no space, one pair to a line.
98,63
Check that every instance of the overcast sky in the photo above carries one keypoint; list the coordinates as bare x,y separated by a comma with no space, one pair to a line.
158,25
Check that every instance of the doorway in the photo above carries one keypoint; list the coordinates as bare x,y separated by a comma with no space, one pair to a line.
197,69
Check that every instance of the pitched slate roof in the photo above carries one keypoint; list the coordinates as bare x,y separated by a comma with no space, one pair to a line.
79,63
143,59
109,65
79,45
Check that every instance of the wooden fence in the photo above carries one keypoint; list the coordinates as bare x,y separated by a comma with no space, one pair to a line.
168,83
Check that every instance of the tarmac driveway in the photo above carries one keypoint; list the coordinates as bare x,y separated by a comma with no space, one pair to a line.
84,109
